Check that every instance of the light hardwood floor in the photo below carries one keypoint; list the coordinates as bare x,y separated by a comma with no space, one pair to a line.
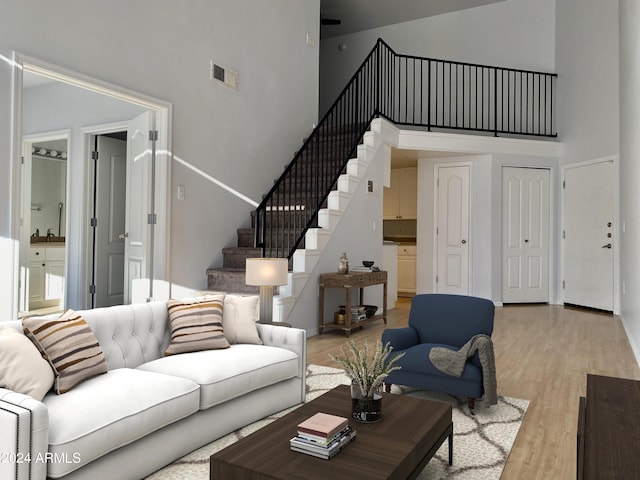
543,353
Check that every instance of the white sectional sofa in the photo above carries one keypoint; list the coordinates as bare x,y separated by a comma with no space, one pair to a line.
148,409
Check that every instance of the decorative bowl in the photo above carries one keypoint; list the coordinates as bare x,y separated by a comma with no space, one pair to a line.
368,263
370,310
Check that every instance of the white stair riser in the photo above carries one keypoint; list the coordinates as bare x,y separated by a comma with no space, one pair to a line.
338,201
316,238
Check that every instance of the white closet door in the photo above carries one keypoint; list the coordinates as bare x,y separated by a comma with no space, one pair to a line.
525,235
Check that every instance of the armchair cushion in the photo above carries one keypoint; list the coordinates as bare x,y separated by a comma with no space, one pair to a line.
416,359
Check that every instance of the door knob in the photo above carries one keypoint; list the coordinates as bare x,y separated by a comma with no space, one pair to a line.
464,241
122,236
608,245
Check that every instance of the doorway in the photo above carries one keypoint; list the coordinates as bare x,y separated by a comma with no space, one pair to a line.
108,191
78,265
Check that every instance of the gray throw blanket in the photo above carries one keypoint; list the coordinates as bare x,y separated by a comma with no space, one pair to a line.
452,362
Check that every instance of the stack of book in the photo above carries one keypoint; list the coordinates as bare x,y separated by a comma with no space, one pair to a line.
358,313
323,435
361,269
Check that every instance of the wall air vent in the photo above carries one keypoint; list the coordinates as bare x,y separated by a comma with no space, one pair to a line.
224,75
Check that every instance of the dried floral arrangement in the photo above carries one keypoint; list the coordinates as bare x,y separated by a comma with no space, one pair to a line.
367,368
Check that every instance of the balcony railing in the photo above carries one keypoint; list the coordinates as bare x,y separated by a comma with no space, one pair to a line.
406,90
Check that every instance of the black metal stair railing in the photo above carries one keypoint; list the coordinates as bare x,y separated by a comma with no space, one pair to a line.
406,90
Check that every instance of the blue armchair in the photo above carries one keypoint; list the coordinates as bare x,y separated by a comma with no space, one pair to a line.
438,320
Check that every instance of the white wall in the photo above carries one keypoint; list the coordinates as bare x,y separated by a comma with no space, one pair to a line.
630,169
588,73
515,33
163,48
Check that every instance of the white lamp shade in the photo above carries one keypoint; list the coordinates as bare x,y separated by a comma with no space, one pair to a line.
267,271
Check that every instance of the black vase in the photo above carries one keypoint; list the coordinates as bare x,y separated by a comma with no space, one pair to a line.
366,409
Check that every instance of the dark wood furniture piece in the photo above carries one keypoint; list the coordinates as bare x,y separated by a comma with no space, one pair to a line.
347,282
609,429
398,447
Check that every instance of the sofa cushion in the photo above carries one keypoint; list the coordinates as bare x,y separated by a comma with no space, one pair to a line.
226,374
22,368
113,410
416,359
195,325
239,317
70,347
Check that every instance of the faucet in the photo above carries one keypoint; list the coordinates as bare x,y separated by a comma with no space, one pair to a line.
50,234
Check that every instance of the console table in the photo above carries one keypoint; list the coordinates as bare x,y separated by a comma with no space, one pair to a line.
347,282
609,429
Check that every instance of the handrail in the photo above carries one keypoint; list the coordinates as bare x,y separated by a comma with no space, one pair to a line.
406,90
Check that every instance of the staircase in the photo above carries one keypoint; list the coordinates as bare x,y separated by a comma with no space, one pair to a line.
286,223
296,217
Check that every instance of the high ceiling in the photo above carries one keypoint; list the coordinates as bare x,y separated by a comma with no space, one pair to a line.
359,15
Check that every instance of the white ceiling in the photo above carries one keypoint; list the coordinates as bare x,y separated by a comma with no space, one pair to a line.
359,15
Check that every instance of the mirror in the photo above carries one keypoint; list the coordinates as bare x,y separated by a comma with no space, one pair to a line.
48,191
44,192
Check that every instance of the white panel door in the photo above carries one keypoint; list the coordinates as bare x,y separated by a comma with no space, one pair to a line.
588,235
138,192
525,235
110,229
452,230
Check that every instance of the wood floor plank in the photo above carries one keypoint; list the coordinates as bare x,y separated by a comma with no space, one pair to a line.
543,354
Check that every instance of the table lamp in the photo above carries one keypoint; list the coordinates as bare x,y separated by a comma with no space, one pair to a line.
267,273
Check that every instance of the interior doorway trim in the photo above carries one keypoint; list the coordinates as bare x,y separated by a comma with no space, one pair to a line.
163,115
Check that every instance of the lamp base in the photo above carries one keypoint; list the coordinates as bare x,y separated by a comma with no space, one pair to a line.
266,304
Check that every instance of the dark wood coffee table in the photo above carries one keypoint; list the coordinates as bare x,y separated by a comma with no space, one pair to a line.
397,447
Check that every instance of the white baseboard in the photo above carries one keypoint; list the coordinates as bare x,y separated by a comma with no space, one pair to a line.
634,347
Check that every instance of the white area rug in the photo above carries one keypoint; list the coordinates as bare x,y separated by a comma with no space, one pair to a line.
481,444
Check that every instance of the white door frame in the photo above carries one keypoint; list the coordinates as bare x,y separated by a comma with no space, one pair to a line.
163,109
616,227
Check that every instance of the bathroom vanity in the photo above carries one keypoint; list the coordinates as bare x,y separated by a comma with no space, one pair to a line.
46,275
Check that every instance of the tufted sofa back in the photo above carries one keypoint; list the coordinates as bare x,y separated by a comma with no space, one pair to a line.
129,335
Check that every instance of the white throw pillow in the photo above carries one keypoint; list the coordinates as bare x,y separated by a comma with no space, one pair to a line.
22,368
239,317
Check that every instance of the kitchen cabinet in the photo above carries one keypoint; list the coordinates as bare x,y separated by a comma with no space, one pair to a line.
407,269
400,200
46,276
390,265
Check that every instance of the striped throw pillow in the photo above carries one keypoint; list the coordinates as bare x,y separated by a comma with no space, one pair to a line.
195,325
70,347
